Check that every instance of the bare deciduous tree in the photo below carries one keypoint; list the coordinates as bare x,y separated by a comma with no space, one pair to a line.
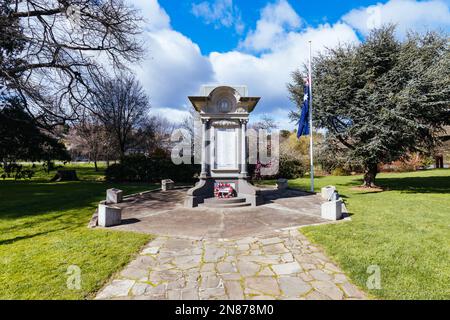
266,123
191,125
154,135
122,106
49,50
90,139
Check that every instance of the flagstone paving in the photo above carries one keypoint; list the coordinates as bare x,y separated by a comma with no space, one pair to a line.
281,264
164,214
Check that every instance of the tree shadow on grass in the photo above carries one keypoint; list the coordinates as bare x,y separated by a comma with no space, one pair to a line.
22,199
37,198
431,184
29,236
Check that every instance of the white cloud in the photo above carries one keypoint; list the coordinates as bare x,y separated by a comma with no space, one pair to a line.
220,13
276,20
279,115
156,18
174,66
268,75
264,59
284,49
174,115
407,14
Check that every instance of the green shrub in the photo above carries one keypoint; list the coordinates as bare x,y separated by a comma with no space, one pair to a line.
139,168
16,171
119,172
290,168
339,172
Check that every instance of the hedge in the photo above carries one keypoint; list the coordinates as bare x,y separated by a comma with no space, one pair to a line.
140,168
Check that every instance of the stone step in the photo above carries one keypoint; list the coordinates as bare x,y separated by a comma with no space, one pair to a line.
225,200
224,205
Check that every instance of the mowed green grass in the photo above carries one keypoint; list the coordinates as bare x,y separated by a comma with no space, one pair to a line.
43,231
405,230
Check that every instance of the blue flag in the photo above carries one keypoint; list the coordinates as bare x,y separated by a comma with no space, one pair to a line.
303,123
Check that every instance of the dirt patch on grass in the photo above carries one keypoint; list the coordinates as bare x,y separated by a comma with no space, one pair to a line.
367,189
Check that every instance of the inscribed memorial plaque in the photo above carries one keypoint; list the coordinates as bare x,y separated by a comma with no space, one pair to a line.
226,157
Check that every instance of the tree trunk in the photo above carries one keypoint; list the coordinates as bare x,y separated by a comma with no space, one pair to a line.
370,173
95,165
122,154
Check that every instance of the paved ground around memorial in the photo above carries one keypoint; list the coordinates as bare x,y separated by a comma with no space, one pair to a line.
163,213
279,265
243,253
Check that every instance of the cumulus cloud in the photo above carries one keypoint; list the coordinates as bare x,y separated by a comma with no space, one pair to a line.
174,66
276,20
155,17
174,115
278,115
406,14
219,13
265,57
283,49
268,74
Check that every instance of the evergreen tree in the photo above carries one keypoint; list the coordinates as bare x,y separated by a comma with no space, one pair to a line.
21,139
382,99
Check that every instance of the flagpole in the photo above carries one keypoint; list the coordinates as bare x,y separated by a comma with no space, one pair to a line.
310,122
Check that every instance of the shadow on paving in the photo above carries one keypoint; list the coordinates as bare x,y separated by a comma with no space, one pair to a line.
163,213
154,200
271,195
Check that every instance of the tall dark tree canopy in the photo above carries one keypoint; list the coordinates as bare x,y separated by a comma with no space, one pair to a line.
21,139
49,50
383,98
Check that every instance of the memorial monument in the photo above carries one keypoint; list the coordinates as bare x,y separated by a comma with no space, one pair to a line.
224,112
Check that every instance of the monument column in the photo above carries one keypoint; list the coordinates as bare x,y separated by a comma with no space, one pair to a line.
203,172
244,147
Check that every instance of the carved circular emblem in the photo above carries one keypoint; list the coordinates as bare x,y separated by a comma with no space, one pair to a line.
224,105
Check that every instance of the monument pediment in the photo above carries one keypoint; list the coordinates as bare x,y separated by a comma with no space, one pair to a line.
224,100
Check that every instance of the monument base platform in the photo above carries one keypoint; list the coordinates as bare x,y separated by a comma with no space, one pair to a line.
203,193
235,202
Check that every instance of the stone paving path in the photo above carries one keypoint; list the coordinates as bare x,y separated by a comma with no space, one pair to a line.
282,264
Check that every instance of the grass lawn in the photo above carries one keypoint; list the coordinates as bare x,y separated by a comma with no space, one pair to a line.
43,231
405,230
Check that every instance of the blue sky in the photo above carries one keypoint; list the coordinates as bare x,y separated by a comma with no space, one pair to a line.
213,37
257,43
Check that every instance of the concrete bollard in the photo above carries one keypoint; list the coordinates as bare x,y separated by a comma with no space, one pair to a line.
114,195
167,184
282,184
109,215
327,191
332,210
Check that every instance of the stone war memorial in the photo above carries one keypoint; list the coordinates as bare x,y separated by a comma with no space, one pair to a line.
224,112
224,194
224,150
226,238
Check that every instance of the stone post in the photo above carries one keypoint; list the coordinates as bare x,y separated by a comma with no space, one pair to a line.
244,148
